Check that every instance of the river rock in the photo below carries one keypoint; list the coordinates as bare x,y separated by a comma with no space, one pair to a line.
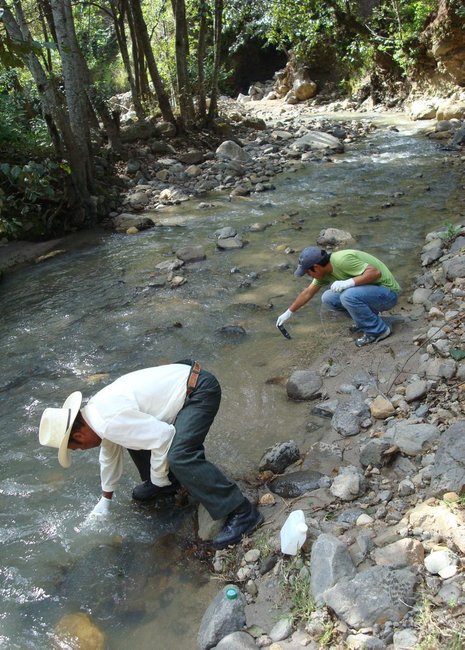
329,562
295,484
455,267
79,631
381,408
372,597
348,484
232,330
236,641
279,456
405,639
448,472
304,90
230,243
224,233
318,140
282,629
413,439
459,138
422,109
169,265
349,416
304,385
208,528
438,368
400,554
438,518
432,252
141,130
222,617
334,238
193,157
191,253
373,452
364,642
325,409
449,108
421,296
127,220
440,560
415,390
232,151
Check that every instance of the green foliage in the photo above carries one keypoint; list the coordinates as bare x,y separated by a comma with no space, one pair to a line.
307,26
97,39
21,127
451,232
296,584
29,197
303,604
301,25
396,26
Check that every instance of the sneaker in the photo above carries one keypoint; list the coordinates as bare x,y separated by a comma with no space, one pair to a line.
241,521
147,490
354,329
367,338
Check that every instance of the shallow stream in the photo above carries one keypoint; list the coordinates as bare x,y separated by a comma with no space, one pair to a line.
83,318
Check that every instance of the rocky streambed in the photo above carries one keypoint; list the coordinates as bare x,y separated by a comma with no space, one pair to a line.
383,563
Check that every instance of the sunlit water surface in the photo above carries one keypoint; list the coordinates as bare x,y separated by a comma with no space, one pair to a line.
84,318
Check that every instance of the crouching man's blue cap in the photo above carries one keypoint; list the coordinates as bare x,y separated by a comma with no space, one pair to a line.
309,257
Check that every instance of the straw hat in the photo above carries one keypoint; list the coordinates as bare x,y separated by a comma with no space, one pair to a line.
55,426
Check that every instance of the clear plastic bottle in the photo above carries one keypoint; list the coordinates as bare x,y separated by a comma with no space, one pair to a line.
293,533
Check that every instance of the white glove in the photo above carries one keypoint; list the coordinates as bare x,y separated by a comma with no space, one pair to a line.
341,285
102,509
284,317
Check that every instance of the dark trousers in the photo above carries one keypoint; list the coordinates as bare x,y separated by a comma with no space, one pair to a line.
186,457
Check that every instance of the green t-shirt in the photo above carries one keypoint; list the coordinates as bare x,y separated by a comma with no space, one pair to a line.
350,263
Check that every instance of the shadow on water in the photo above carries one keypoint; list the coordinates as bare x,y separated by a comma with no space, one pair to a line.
82,319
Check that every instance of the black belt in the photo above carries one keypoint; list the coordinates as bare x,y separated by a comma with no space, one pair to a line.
193,377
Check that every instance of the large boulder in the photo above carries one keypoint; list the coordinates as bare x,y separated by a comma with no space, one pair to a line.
127,220
230,150
423,109
304,385
448,474
335,238
449,109
319,140
372,597
223,616
143,130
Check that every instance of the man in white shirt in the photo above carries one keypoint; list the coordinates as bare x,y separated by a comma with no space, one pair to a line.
162,416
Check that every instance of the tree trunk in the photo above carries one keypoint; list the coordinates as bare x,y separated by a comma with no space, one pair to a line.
53,112
140,73
186,103
201,49
217,29
74,79
142,32
118,15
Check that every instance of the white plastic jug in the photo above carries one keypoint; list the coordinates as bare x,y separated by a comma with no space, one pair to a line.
293,533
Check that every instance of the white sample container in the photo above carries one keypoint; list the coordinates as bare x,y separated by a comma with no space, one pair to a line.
293,533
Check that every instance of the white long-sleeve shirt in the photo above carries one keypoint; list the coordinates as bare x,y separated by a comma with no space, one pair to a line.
137,411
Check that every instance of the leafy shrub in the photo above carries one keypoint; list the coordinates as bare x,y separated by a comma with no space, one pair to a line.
31,196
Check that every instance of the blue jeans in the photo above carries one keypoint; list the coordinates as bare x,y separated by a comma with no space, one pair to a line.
363,304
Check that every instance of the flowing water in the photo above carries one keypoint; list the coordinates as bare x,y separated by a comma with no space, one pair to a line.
80,320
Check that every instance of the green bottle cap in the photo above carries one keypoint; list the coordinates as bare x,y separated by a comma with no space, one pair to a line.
231,593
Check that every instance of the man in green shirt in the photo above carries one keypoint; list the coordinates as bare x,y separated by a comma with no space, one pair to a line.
359,284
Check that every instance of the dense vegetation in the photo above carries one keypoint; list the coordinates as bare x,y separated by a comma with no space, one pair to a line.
62,62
